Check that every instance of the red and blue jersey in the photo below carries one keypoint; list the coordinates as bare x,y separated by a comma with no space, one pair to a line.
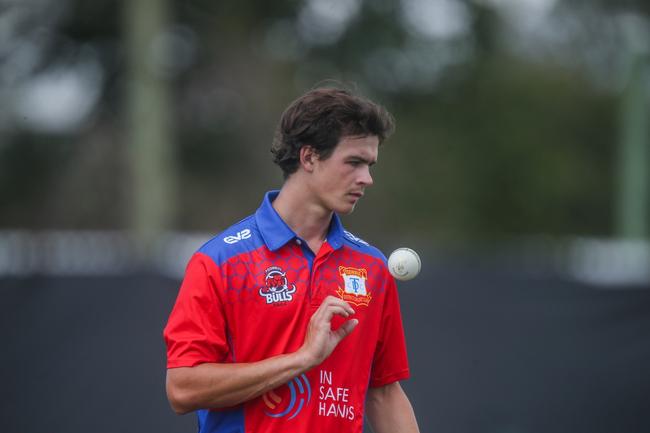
248,295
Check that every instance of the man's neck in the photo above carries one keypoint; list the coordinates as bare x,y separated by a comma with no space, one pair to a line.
306,217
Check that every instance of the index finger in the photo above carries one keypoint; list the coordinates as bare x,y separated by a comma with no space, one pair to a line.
333,300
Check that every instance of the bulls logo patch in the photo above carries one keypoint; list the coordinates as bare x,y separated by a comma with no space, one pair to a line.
276,287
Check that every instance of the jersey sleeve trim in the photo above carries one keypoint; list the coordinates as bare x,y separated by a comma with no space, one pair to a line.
390,378
186,362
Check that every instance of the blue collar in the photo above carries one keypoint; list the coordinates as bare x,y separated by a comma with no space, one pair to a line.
277,233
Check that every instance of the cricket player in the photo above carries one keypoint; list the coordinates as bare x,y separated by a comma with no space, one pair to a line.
286,322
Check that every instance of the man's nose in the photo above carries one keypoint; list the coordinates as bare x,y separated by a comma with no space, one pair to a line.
366,177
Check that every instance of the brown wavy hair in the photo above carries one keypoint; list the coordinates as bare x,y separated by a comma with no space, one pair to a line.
320,118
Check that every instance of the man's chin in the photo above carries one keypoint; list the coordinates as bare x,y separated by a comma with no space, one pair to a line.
346,209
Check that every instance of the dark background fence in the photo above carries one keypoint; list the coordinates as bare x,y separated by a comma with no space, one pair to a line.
491,351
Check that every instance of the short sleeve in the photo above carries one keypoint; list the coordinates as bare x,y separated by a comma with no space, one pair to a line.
196,329
390,362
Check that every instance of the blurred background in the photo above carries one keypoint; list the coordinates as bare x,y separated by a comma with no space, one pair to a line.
132,131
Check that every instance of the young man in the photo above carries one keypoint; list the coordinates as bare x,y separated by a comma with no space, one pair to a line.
286,322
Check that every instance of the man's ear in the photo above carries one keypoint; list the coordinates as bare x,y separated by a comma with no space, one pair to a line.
308,157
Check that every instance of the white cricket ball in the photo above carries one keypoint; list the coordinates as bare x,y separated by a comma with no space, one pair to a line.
404,264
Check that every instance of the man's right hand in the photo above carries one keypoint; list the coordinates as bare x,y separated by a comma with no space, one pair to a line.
321,340
218,385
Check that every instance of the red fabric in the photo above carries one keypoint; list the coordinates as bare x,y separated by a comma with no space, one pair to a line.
390,363
223,315
196,329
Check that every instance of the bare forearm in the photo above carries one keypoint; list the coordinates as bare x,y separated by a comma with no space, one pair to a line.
214,385
226,385
389,410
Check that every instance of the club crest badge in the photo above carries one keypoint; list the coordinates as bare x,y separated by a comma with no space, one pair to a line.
276,287
355,290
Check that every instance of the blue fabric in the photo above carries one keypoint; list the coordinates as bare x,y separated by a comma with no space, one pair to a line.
352,241
266,227
276,233
239,238
231,421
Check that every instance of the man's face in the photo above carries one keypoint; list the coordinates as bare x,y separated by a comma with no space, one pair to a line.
340,180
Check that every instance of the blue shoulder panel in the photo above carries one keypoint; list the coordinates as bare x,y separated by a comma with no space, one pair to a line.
239,238
362,246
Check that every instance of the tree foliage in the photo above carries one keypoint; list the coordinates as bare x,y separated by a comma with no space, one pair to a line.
501,131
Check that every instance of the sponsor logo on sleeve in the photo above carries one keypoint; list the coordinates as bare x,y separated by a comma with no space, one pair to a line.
239,236
354,238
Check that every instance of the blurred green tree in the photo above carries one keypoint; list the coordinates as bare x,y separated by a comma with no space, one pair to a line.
506,126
